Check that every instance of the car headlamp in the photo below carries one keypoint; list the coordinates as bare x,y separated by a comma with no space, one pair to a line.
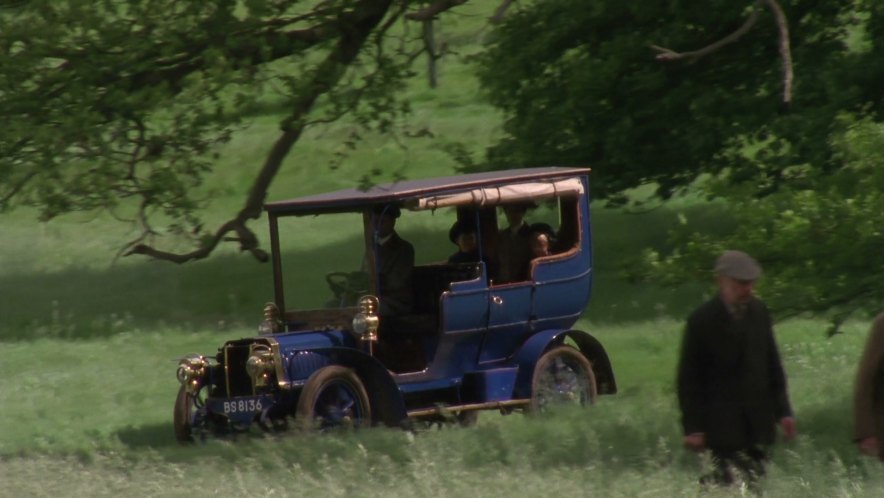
360,323
259,366
366,322
192,372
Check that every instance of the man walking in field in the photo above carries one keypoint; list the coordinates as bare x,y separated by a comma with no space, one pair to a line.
731,384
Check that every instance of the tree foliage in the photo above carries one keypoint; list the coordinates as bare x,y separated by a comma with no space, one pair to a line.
791,157
120,105
581,84
820,237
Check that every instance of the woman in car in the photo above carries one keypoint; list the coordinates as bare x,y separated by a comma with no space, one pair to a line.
463,235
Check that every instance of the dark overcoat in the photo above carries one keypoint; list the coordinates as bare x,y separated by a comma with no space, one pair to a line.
731,384
395,265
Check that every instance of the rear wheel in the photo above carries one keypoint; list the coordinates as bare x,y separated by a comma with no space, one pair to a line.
333,397
562,376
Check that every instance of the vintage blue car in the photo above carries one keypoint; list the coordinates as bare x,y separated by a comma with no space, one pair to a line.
369,328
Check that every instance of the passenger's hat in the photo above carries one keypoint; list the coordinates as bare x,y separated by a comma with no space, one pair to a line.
543,228
738,265
460,227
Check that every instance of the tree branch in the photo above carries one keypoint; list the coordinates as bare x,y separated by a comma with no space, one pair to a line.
354,30
184,64
500,11
434,9
785,48
17,188
667,55
246,238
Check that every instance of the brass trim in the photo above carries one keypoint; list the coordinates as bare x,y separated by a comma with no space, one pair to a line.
278,361
262,350
227,369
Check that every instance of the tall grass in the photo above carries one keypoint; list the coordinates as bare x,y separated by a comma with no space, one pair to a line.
92,418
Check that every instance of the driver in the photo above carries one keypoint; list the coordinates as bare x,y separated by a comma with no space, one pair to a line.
394,260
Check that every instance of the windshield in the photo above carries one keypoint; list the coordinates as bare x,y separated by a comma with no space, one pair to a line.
323,257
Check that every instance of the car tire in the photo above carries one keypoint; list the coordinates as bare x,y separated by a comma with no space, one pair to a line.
562,376
183,416
333,397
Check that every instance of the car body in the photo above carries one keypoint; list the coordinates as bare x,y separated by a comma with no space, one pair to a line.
467,341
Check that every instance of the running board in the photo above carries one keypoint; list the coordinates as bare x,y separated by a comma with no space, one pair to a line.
443,410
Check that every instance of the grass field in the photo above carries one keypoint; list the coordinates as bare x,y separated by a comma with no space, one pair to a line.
89,346
91,417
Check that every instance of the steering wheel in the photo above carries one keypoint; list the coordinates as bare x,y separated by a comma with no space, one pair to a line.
347,286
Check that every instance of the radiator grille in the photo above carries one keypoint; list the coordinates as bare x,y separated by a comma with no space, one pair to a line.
238,381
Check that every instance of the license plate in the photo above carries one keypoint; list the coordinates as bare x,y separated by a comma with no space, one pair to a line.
250,405
240,408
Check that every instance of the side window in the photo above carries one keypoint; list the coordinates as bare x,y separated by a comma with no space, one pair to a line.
553,228
569,225
556,231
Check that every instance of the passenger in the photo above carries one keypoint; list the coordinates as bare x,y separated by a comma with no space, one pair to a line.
512,243
463,234
394,262
868,397
541,239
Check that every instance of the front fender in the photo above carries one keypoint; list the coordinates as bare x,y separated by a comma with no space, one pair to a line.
387,403
539,343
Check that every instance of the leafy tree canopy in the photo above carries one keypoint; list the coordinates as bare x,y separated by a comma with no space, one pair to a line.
582,84
785,134
118,105
819,237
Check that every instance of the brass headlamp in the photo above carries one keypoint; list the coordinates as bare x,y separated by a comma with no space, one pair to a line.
366,322
192,371
259,366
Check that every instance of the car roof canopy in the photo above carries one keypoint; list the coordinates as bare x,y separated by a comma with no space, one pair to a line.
482,189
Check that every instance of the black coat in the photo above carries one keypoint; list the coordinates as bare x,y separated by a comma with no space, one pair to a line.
731,384
395,260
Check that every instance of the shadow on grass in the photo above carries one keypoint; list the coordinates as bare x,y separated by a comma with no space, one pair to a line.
161,437
155,436
227,292
828,427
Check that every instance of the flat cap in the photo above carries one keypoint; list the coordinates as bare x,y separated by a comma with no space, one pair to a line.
738,265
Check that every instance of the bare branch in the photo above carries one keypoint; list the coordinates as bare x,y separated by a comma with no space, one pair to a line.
357,28
500,11
246,238
785,48
17,188
666,55
434,9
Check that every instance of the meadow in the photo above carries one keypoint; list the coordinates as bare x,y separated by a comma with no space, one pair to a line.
89,344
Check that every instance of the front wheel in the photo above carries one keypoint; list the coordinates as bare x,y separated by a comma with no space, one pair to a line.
562,376
333,397
182,418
